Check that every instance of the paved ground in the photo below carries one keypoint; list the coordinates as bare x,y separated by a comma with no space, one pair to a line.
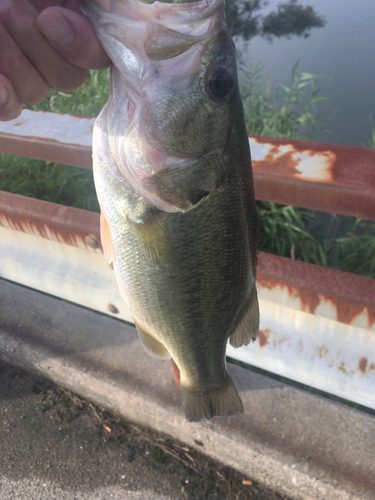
55,445
302,445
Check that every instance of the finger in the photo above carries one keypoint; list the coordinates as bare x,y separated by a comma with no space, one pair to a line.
43,4
20,22
73,37
10,106
67,4
27,83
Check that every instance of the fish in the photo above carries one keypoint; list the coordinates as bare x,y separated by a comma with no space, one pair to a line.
173,176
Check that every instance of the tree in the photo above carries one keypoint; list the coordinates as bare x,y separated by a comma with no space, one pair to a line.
243,19
240,17
291,19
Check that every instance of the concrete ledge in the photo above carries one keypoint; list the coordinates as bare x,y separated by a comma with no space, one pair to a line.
297,443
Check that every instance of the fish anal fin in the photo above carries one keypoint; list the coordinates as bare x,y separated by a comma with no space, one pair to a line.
152,346
221,402
105,236
247,328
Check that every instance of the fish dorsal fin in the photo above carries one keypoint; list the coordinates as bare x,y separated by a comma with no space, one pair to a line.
248,325
105,236
152,346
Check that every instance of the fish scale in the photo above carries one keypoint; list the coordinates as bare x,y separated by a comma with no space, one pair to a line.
182,231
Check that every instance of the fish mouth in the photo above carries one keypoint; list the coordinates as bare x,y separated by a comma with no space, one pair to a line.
187,18
154,45
151,32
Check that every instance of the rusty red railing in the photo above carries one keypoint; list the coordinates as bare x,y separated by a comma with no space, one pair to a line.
317,324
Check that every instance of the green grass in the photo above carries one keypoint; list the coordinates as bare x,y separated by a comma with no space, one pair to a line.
293,112
312,236
285,111
355,251
371,140
287,231
88,100
49,181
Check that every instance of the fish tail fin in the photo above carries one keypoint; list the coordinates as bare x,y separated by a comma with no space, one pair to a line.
221,402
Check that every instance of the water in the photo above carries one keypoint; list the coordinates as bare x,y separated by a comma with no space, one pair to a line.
343,49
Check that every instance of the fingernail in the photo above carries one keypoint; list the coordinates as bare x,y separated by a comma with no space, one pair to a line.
57,29
5,5
3,95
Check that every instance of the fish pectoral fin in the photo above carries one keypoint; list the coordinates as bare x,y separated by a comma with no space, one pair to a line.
105,236
247,328
221,402
154,240
152,346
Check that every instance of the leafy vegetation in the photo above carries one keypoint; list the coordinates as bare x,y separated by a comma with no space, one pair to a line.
355,251
88,100
285,111
371,140
291,19
244,19
49,181
311,236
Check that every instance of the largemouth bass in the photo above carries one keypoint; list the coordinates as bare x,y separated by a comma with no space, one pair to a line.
173,177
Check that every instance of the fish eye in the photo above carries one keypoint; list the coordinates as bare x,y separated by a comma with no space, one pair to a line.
220,82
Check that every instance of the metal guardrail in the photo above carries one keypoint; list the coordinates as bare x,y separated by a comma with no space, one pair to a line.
327,177
317,324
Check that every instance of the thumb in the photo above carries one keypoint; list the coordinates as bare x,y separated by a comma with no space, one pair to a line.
73,37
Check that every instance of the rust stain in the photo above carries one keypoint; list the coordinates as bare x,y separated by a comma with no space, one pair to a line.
277,164
263,337
347,312
322,351
289,160
50,221
267,283
371,316
277,340
309,300
344,303
46,232
343,369
340,158
362,365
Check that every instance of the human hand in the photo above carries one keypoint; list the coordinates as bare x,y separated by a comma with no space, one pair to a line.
43,43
